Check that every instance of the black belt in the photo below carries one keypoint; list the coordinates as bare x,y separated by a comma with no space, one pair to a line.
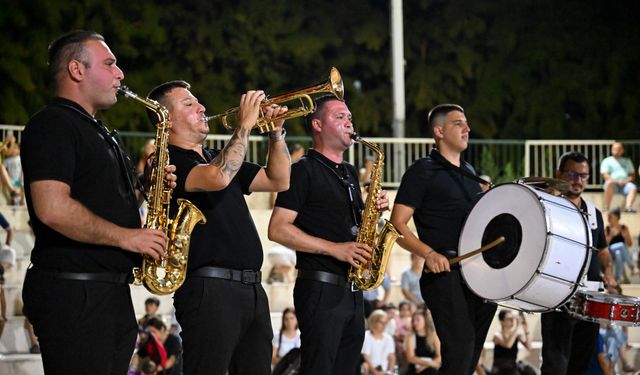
449,253
107,277
327,277
243,276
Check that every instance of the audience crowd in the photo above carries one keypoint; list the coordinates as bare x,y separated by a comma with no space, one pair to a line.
399,339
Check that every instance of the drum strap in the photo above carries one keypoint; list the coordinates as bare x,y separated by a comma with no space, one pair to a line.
463,171
591,214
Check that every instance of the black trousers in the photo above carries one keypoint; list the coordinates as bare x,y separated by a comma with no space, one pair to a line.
83,327
331,321
226,325
567,343
461,318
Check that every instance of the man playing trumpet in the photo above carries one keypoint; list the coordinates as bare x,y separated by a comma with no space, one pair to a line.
222,298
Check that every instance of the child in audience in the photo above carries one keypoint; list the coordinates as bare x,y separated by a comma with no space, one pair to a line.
378,348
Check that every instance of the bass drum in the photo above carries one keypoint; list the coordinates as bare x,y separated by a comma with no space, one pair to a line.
544,257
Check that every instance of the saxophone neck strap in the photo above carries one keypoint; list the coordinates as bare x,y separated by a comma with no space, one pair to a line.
350,189
110,138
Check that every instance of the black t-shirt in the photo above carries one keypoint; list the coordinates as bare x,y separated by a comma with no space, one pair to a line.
320,197
62,142
173,346
229,238
599,241
442,199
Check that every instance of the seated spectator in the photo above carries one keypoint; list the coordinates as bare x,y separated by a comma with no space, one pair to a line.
151,306
410,281
618,174
422,346
7,260
150,346
513,329
619,240
392,314
600,364
148,367
4,223
616,342
172,345
378,349
13,165
287,338
283,264
403,328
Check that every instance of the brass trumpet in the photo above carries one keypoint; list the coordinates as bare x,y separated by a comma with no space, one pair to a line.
333,85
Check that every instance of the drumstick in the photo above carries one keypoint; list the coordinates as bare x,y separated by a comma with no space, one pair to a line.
486,247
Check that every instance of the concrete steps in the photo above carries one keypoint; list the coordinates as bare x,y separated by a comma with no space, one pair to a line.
14,342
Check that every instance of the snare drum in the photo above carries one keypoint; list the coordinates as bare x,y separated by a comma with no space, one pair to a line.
544,257
609,308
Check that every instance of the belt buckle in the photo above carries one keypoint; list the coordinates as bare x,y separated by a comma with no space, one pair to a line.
248,277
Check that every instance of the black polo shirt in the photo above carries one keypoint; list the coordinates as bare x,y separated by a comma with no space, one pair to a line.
599,241
229,239
62,142
318,194
442,199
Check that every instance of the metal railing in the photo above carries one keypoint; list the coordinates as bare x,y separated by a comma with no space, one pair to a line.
506,159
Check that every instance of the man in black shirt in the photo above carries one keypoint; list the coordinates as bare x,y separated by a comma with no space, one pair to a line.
438,192
568,343
318,217
84,213
222,300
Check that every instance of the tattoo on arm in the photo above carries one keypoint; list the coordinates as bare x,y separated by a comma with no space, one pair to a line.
230,159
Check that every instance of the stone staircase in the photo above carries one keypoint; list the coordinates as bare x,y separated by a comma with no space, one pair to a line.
14,343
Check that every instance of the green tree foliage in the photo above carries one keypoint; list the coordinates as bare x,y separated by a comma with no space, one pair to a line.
522,69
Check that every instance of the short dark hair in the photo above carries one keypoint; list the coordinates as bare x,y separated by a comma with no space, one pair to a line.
319,103
502,314
574,156
615,212
439,112
156,323
158,94
69,46
152,300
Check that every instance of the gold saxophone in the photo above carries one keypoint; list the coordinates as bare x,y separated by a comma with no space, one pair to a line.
165,275
370,275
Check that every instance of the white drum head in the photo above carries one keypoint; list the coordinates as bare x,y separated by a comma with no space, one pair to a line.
511,208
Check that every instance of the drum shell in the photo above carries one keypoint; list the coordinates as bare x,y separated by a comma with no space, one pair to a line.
608,308
553,256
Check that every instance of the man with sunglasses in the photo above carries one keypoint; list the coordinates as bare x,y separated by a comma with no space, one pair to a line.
567,342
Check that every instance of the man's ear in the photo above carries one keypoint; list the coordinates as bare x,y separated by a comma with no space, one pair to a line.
438,132
315,124
76,70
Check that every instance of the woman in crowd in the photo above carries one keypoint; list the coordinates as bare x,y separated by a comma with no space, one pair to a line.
288,337
422,346
619,240
513,329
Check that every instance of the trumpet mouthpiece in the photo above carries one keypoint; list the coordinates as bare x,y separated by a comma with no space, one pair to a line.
209,118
